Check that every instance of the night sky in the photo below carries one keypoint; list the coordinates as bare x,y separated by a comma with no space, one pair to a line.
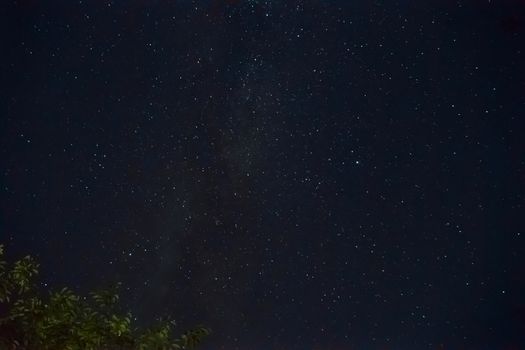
296,175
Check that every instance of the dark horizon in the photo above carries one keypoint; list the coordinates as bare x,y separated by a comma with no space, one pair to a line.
294,175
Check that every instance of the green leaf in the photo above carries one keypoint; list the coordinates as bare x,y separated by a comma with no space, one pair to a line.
64,320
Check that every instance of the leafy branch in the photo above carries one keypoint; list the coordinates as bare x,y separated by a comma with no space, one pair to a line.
64,320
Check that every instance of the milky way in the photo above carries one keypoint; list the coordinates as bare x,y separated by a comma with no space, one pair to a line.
294,175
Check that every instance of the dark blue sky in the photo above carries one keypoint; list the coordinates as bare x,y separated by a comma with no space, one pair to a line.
320,175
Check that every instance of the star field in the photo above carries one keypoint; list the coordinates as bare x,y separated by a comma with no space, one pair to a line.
292,174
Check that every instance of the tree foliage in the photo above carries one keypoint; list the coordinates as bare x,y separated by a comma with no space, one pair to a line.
65,320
